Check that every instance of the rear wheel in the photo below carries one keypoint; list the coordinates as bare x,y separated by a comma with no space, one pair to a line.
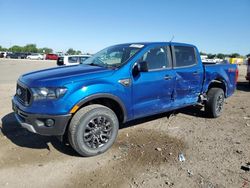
215,102
93,130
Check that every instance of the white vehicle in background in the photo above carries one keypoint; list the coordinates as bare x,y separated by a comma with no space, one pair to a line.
35,56
213,61
72,59
60,54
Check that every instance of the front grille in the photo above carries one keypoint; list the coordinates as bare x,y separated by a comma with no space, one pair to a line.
23,94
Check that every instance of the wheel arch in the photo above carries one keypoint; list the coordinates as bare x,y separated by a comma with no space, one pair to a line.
218,83
111,101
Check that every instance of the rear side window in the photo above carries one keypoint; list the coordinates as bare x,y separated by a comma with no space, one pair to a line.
82,59
156,58
184,56
72,59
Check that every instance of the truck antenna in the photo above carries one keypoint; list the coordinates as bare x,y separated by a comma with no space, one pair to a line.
172,39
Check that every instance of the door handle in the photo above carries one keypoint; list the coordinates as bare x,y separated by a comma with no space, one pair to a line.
195,72
167,77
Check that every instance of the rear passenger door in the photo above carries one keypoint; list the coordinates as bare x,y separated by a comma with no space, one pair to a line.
189,75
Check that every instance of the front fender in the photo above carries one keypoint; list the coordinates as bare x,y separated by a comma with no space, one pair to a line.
85,93
108,96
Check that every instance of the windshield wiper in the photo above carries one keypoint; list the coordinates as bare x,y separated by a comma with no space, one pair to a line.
104,65
95,64
113,66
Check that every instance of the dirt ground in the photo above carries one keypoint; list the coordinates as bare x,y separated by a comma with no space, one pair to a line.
145,153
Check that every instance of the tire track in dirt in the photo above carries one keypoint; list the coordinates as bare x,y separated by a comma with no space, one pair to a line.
139,151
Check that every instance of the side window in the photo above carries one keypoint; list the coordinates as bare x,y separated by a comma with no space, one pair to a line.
185,56
72,59
82,59
132,52
114,58
156,58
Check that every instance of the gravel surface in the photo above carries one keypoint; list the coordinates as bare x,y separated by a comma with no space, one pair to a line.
146,153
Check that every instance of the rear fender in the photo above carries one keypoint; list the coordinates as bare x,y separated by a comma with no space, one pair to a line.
219,83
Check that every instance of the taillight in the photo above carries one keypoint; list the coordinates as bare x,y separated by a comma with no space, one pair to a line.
236,75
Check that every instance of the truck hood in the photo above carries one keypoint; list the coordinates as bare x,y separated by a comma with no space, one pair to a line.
60,76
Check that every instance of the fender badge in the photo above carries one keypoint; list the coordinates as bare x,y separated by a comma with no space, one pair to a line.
125,82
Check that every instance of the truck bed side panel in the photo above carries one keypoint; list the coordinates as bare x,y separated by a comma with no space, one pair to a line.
225,73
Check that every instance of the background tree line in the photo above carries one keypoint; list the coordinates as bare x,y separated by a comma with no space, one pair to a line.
71,51
27,48
33,49
222,56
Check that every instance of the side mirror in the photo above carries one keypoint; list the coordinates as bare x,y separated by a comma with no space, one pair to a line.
140,67
143,66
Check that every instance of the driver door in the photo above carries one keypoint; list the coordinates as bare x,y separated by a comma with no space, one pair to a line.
152,90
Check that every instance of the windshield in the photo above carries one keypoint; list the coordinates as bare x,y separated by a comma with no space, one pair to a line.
114,56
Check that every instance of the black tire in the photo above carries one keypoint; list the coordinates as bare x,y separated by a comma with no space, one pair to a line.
99,124
215,102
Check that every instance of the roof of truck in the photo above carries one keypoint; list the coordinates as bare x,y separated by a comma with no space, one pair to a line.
157,43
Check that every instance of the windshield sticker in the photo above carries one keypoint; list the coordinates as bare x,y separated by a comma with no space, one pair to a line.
136,45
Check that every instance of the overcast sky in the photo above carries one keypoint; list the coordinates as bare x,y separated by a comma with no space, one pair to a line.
213,26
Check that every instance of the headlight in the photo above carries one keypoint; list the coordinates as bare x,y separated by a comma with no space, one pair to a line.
48,93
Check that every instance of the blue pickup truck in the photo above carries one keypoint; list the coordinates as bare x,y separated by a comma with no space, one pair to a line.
87,103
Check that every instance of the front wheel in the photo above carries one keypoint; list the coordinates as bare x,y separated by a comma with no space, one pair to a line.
215,102
93,130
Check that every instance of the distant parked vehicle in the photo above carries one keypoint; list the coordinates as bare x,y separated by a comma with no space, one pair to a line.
17,55
60,54
51,56
207,61
237,61
72,59
3,54
35,56
248,70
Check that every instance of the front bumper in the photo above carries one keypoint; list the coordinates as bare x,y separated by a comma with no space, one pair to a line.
36,123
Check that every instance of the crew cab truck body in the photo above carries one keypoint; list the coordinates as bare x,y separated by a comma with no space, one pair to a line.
88,102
